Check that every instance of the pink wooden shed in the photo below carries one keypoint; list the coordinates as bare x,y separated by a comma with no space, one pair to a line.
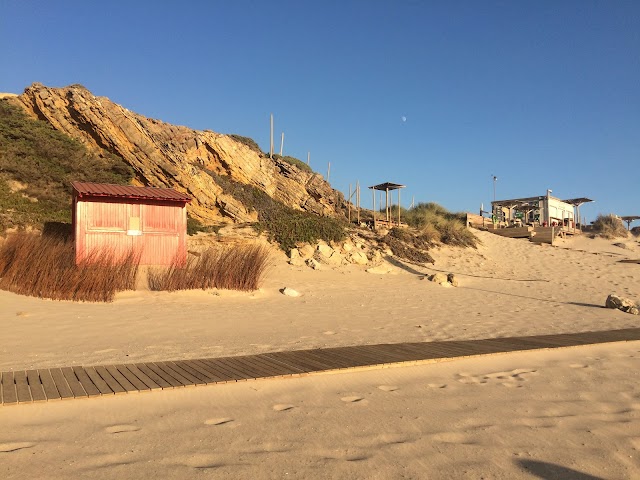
120,219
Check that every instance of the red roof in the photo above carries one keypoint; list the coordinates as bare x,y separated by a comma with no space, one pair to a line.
87,189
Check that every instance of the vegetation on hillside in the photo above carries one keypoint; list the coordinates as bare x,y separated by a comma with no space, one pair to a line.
249,142
609,226
436,225
285,226
37,165
294,161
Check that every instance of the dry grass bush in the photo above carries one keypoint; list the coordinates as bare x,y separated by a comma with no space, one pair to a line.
609,226
408,246
45,267
229,268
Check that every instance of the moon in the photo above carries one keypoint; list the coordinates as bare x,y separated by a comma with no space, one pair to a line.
403,118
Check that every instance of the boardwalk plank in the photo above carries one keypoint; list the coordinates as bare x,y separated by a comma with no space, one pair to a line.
22,386
61,383
113,384
261,369
9,394
196,377
167,377
37,391
245,366
149,383
102,386
160,381
235,369
74,384
282,358
121,379
87,384
277,364
49,386
182,381
216,373
303,357
208,375
133,380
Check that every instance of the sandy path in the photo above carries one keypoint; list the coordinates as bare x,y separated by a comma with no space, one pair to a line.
553,414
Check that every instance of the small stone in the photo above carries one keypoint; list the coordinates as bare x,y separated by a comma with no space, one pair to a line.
624,304
290,292
312,263
453,280
325,250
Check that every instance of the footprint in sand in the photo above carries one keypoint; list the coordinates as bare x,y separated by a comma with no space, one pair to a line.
329,332
436,385
217,421
388,388
13,446
22,314
352,399
121,428
282,407
578,365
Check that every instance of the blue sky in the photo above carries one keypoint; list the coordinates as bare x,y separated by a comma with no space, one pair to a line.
438,96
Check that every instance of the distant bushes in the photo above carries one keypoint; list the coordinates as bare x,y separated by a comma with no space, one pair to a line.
249,142
294,161
609,226
230,268
437,225
45,267
285,226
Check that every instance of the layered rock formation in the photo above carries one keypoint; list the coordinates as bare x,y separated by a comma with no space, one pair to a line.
165,155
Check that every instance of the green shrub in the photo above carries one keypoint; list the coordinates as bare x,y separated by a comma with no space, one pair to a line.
285,226
438,225
45,161
294,161
249,142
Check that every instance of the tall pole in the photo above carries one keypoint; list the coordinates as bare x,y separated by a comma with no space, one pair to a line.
271,148
281,143
358,199
494,187
328,171
349,204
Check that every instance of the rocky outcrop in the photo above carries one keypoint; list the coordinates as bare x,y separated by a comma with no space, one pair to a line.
165,155
625,304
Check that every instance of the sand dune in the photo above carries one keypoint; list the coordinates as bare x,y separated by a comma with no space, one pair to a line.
571,413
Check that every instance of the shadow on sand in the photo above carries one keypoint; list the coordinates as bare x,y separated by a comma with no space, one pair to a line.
550,471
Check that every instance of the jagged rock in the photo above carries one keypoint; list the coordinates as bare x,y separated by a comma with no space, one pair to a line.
357,257
325,250
165,155
295,259
439,278
347,246
306,251
621,303
290,292
453,280
312,263
620,245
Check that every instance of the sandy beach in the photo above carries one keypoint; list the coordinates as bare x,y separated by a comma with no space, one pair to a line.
541,414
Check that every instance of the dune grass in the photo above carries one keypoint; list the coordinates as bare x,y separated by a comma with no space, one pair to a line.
439,226
609,226
44,267
229,268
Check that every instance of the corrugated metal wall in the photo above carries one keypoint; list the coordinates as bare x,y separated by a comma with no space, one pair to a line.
157,230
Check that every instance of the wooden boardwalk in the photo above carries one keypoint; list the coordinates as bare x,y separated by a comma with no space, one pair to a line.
26,386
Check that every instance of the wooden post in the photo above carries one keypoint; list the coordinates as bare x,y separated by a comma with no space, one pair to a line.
349,205
373,190
386,206
358,200
328,171
271,148
281,143
398,207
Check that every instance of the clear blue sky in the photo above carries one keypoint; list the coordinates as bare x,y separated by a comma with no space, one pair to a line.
436,95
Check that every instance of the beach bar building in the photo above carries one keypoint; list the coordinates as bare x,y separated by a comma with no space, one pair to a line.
544,210
120,219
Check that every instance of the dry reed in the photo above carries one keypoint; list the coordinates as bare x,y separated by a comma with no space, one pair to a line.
229,268
45,267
